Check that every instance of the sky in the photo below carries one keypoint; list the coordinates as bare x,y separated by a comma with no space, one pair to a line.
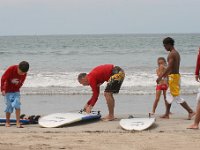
49,17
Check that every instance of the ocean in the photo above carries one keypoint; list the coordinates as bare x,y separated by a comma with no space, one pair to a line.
56,60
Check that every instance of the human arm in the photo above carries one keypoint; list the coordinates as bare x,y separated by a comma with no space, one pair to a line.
3,93
197,77
160,70
95,89
4,81
168,69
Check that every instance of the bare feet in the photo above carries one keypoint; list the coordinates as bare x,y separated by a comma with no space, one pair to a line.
165,116
7,125
19,126
108,118
193,126
191,115
152,113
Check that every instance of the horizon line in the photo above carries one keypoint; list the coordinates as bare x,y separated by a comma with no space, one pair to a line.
57,34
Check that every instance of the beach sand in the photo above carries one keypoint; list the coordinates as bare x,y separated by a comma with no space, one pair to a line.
165,134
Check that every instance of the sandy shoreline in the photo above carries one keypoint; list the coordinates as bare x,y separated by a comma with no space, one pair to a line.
99,135
164,134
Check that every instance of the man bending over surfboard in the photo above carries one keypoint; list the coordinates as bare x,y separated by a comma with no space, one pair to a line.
114,75
172,72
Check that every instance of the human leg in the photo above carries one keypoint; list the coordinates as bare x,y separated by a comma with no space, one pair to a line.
111,104
197,117
166,115
9,108
16,104
169,99
7,119
195,125
191,113
113,86
158,93
174,89
165,99
17,111
184,104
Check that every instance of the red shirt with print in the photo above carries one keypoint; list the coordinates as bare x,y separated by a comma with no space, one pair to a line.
11,81
96,77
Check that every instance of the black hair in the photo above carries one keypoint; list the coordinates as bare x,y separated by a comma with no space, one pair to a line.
81,75
168,40
24,66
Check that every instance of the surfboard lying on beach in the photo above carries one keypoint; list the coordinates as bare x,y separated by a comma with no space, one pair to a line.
137,124
61,119
23,121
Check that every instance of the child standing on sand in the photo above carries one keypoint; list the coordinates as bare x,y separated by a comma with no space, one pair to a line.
11,82
162,85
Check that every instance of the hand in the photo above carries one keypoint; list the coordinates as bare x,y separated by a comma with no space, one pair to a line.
158,80
3,93
197,77
88,108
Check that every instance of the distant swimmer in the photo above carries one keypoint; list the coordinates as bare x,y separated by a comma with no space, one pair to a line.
114,75
172,71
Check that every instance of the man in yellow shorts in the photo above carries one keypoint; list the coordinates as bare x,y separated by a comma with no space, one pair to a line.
172,72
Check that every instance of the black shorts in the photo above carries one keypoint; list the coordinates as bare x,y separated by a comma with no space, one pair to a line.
116,80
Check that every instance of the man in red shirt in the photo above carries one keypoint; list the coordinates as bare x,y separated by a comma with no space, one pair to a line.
11,82
195,125
114,75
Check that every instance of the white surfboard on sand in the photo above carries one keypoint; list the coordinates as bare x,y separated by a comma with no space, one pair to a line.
61,119
137,124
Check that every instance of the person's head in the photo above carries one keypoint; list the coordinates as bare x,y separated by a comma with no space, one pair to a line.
168,43
23,67
82,79
161,61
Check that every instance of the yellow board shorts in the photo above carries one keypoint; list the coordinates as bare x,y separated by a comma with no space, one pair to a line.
174,84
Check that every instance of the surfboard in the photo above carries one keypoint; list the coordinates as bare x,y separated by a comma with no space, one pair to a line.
23,121
62,119
137,124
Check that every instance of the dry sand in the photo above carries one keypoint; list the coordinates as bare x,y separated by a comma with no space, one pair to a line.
165,134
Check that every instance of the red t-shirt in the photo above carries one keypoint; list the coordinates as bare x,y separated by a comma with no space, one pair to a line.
198,64
11,81
96,77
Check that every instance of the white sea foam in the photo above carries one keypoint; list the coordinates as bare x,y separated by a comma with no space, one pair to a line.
66,83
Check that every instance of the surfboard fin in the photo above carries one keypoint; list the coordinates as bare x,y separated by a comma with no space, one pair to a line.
130,116
149,115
